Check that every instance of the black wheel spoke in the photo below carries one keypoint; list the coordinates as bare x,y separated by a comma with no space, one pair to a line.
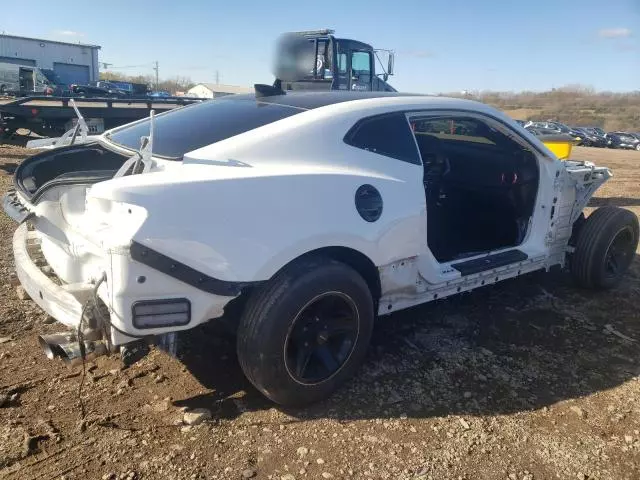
616,260
302,359
325,355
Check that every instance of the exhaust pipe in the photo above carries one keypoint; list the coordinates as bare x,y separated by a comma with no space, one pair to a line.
66,347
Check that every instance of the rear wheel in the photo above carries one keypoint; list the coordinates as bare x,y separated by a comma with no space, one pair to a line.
605,247
306,332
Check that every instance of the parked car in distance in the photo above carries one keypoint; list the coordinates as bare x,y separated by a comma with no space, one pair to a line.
557,127
592,138
159,94
537,131
624,140
97,89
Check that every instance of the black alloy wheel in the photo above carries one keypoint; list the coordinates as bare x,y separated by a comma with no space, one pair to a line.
322,338
620,253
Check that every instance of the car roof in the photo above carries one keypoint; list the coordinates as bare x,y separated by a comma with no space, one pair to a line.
311,100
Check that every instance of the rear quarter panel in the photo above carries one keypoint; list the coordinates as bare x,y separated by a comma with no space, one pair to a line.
244,224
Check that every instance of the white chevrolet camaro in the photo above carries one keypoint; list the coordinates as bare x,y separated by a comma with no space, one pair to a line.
301,217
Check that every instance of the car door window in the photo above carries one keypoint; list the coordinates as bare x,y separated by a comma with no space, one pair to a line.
387,135
474,152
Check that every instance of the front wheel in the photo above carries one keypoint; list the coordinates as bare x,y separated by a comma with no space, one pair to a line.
638,147
306,331
605,247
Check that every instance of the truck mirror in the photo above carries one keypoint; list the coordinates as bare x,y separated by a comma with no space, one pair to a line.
391,62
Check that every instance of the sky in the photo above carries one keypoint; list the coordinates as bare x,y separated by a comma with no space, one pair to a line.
441,46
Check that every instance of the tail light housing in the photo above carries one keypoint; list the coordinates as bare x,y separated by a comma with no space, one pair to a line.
170,312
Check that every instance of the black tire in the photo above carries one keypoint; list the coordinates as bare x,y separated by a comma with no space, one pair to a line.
605,247
275,312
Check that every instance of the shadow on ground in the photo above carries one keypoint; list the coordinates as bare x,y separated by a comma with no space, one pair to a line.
616,201
8,167
515,346
16,140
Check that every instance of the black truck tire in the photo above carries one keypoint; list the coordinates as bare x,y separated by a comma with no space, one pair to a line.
605,247
306,331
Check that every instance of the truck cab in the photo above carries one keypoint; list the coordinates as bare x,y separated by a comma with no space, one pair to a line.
330,63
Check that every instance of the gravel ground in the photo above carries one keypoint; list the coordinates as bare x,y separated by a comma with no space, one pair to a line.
527,379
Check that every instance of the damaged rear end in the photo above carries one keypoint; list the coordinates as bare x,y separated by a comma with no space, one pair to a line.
71,249
103,226
63,244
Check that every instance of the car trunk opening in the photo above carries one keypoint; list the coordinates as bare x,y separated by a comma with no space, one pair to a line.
83,164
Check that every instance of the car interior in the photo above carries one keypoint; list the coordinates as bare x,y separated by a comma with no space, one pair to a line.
480,186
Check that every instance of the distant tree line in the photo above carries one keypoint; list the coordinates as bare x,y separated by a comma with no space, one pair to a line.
576,105
171,85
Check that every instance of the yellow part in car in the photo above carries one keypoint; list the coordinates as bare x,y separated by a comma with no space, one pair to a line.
560,145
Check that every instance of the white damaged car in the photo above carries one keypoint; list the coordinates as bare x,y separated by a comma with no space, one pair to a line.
302,217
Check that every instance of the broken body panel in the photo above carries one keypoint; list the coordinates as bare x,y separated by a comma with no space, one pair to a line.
181,238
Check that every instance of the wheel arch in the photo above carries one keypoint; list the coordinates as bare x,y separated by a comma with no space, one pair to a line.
355,259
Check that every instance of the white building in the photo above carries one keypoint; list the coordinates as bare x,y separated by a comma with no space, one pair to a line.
213,90
72,62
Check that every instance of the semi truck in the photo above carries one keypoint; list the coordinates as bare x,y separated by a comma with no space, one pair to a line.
318,60
305,60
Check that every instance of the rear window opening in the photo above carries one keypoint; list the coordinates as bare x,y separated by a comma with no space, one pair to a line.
195,126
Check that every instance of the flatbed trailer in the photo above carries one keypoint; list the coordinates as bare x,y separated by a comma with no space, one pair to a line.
52,116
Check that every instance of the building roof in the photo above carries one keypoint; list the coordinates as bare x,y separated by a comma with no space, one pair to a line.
221,88
87,45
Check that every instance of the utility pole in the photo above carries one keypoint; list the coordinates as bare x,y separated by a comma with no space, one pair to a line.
217,77
157,78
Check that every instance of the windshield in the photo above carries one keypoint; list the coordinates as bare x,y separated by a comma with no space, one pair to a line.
188,128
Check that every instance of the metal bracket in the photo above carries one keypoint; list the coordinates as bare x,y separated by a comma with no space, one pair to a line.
69,137
144,155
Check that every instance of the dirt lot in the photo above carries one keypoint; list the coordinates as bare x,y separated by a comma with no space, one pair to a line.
530,379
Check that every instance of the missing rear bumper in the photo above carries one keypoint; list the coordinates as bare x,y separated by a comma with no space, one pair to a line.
54,299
